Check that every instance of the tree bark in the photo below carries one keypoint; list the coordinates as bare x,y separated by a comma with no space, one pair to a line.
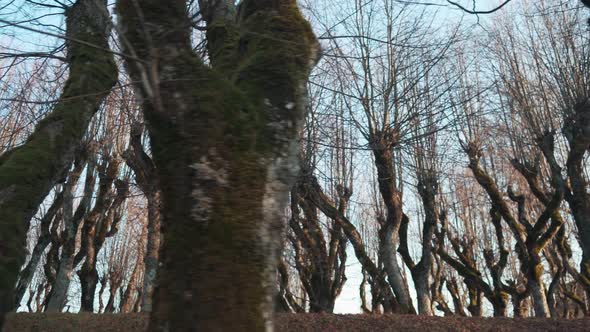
151,257
128,300
26,275
466,267
577,131
320,262
115,281
28,173
147,179
317,196
530,239
224,141
389,230
59,287
539,299
101,223
427,189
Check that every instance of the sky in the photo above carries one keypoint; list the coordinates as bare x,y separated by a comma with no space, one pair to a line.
48,22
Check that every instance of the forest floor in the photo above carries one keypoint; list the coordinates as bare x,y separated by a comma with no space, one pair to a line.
24,322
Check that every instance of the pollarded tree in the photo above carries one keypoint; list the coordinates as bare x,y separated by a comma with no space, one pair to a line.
556,125
386,76
319,243
224,143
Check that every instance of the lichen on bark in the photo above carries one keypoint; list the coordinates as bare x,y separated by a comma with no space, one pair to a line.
223,139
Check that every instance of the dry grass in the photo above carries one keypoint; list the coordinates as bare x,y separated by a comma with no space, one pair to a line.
23,322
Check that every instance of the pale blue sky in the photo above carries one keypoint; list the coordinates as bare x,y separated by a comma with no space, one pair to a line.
50,20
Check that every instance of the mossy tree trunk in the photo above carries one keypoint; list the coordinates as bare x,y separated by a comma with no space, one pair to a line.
28,173
577,132
224,142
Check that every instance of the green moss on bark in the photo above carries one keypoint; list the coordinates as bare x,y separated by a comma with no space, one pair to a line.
28,173
218,138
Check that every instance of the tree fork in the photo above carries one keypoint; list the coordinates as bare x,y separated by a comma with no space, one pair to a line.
224,144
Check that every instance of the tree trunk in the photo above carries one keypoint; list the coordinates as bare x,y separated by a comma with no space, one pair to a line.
423,295
26,275
577,131
152,251
114,287
388,239
88,282
59,290
28,173
103,286
500,308
389,232
127,302
539,298
427,189
101,223
530,240
520,306
319,261
147,179
286,302
61,283
579,204
225,147
328,207
475,302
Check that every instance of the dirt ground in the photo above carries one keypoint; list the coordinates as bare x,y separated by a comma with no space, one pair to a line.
23,322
